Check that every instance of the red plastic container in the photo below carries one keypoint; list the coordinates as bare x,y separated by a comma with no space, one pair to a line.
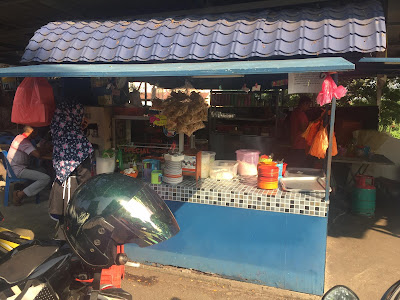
270,171
284,169
267,183
362,182
268,176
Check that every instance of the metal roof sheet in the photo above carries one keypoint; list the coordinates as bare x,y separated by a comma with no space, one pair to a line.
354,27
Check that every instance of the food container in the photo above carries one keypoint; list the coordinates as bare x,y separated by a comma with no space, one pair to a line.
207,159
268,170
148,166
248,160
267,183
282,169
173,168
223,169
105,165
189,163
156,176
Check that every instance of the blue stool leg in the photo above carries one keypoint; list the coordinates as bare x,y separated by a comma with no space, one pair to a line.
6,192
38,198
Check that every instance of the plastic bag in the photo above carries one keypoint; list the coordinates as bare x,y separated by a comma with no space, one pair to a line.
33,103
311,131
320,143
330,90
334,145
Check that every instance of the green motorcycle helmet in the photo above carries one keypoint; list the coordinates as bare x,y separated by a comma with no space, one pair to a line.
115,209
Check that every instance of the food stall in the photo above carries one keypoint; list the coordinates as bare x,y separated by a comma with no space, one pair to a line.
228,227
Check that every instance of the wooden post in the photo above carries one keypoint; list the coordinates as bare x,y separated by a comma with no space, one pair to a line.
380,84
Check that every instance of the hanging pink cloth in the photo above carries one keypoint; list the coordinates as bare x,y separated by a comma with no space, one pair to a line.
330,90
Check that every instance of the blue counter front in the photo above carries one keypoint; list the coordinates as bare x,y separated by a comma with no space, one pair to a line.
284,250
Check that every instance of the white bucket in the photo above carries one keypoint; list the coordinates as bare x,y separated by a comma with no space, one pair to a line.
105,165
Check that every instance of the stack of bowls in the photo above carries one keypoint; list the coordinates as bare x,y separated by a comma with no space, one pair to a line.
173,168
268,176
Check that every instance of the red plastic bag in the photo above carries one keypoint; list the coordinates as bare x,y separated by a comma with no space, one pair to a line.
330,90
33,103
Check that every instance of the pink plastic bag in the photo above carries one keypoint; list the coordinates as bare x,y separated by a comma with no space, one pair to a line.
33,102
330,90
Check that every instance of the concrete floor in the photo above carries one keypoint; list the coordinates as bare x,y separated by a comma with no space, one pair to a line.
362,253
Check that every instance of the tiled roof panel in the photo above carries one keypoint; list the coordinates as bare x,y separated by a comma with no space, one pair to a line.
355,27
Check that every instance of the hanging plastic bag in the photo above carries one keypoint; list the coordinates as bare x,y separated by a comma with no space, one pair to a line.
330,90
320,143
334,146
311,131
33,103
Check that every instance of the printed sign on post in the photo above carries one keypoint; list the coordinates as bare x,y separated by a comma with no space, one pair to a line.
309,83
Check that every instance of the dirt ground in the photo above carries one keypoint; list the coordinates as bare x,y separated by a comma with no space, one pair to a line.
169,283
362,253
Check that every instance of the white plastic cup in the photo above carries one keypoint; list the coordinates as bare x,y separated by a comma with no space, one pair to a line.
207,159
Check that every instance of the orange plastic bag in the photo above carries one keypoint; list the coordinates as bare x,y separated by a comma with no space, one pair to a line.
320,143
311,131
33,103
334,145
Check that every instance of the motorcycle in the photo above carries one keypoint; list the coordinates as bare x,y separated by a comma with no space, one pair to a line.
344,293
104,213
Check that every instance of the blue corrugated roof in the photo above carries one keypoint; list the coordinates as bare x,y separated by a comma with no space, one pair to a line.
354,27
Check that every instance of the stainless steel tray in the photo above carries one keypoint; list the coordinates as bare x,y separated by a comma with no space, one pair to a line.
304,172
303,184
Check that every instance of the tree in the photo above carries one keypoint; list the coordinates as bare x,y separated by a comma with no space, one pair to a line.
363,92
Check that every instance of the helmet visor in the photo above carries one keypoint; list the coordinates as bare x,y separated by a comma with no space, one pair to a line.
135,211
145,218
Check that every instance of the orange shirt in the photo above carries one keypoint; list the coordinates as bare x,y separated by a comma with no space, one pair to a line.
298,124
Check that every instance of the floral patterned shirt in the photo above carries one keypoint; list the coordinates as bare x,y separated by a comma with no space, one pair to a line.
71,147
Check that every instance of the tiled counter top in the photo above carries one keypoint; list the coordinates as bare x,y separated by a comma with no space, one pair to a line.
243,193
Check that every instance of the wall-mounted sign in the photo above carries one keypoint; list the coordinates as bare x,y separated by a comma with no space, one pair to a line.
281,82
158,120
309,83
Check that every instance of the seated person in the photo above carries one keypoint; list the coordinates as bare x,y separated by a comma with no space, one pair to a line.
18,156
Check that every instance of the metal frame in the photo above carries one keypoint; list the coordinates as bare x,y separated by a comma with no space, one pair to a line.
222,68
329,157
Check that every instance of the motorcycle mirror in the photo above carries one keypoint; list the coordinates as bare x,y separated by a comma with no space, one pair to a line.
340,292
393,292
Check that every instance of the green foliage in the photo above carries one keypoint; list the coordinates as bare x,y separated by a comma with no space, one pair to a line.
359,92
363,92
291,100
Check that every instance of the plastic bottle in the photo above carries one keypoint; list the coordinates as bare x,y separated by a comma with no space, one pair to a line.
120,160
134,166
93,170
